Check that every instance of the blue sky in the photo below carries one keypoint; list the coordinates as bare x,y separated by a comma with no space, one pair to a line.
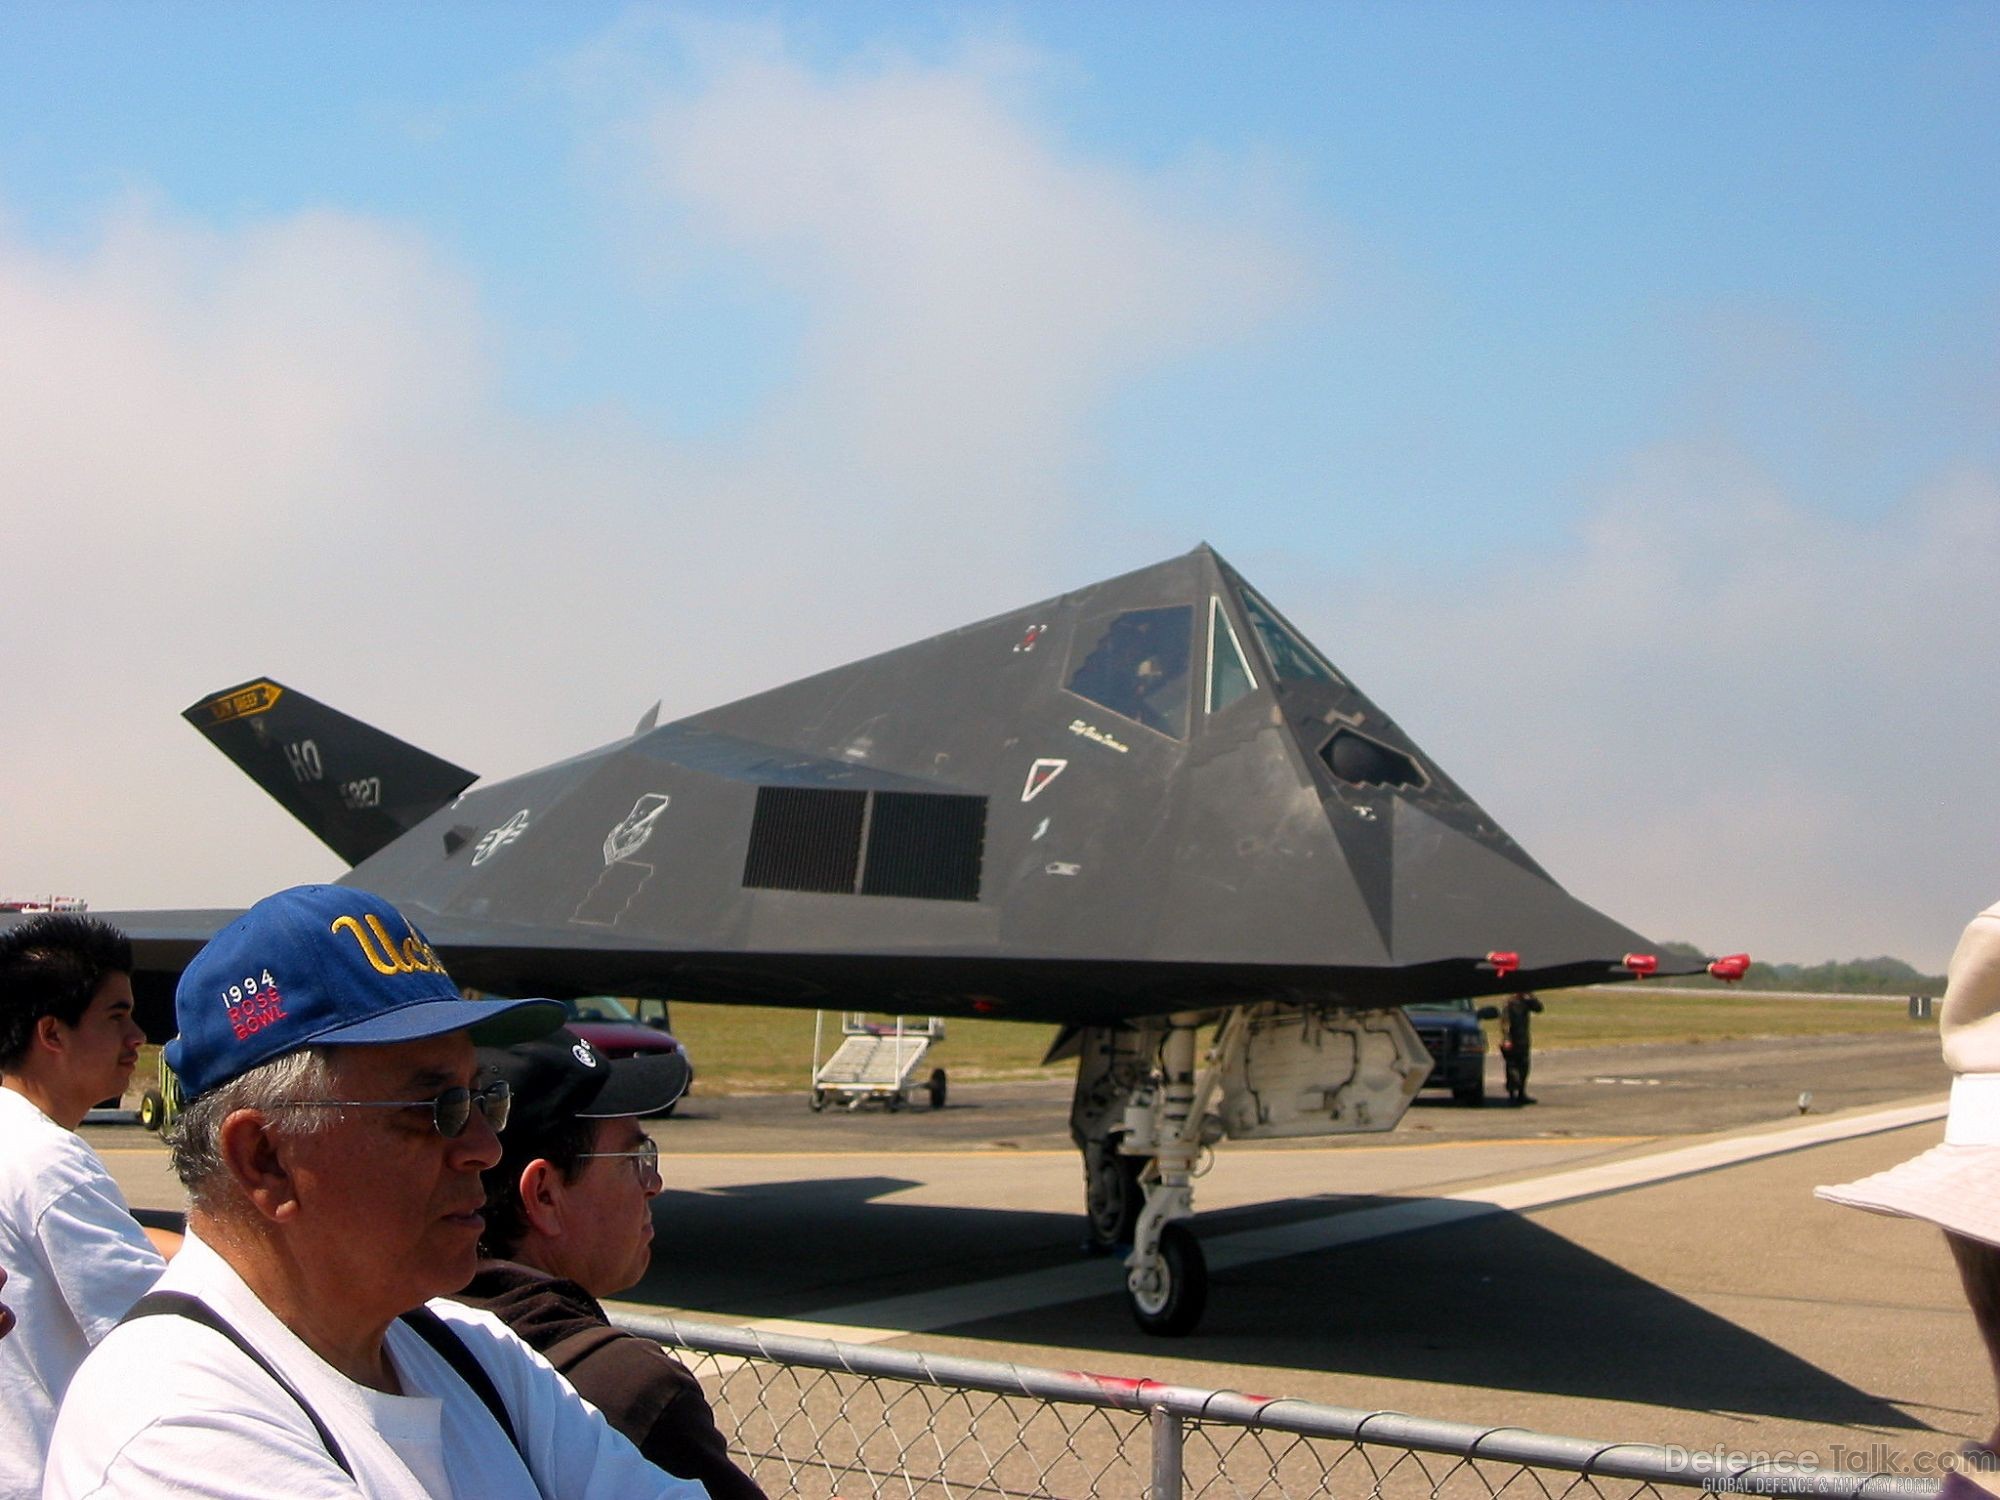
1614,390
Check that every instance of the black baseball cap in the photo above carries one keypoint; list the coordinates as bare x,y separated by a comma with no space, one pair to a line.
560,1077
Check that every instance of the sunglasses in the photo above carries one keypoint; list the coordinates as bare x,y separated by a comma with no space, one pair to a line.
451,1111
645,1161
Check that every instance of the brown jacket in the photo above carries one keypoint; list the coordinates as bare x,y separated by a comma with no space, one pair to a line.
642,1390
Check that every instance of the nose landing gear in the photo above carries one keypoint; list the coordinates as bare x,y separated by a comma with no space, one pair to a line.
1141,1125
1166,1273
1142,1117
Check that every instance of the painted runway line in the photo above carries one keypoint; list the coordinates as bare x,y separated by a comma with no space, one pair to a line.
888,1318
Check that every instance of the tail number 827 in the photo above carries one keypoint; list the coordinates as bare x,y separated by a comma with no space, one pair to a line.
365,792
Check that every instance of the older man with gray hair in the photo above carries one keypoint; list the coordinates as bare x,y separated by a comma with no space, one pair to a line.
332,1148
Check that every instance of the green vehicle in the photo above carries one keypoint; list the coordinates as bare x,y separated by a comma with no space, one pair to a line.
159,1105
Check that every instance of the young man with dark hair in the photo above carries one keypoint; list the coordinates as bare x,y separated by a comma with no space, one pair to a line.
77,1258
569,1220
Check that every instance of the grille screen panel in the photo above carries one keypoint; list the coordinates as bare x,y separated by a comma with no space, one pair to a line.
923,844
805,839
926,845
1357,759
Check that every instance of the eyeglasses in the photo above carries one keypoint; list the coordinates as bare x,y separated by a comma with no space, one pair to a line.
645,1161
451,1111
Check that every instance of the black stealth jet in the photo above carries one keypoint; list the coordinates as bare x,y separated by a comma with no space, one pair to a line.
1144,807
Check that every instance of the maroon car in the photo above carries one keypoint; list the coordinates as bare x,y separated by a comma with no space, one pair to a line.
609,1025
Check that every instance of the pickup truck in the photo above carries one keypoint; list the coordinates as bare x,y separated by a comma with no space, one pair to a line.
1450,1029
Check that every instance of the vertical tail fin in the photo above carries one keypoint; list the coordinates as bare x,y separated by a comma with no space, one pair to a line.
355,787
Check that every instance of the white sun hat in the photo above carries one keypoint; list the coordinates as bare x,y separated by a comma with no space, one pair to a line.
1956,1185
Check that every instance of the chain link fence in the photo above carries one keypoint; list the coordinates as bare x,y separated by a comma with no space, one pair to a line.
821,1420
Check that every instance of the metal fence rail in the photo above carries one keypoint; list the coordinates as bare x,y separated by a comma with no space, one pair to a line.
819,1419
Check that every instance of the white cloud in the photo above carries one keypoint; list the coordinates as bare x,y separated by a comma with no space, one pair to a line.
283,449
976,290
1719,715
196,427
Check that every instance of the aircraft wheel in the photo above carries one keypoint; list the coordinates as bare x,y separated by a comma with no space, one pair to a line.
1112,1200
818,1100
152,1110
937,1088
1178,1295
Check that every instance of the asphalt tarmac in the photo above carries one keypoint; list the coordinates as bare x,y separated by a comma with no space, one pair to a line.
1636,1257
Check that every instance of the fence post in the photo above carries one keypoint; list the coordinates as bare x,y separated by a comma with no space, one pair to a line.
1166,1455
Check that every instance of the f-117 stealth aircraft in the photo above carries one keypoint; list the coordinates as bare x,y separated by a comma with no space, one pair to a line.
1143,808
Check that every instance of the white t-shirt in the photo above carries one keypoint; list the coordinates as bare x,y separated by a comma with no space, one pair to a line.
75,1261
167,1406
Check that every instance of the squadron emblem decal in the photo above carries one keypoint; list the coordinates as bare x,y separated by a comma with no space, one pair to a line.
630,834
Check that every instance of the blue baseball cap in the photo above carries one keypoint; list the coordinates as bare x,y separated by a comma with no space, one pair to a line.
324,964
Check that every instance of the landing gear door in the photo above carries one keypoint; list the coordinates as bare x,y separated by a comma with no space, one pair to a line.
1304,1072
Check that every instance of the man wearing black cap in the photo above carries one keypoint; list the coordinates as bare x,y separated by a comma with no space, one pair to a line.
569,1220
331,1144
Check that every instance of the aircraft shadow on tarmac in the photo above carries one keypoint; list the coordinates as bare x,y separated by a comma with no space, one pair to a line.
1497,1302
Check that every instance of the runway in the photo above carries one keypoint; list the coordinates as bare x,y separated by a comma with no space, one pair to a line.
1627,1260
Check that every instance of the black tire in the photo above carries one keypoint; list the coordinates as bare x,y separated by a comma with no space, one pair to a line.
937,1088
817,1100
1183,1294
894,1101
1473,1093
1111,1204
152,1110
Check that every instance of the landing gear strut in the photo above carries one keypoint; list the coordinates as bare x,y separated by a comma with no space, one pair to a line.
1141,1121
1166,1274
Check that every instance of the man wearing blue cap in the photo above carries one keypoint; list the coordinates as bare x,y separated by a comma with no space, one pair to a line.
331,1146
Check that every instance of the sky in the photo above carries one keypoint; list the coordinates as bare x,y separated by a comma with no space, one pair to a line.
1612,391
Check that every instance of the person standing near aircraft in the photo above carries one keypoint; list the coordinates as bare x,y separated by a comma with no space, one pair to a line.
1515,1044
331,1146
77,1256
569,1220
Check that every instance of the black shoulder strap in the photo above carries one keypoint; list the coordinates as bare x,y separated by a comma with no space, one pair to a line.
428,1326
180,1304
437,1333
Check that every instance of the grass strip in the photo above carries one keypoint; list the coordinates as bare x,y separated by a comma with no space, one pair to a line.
748,1049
